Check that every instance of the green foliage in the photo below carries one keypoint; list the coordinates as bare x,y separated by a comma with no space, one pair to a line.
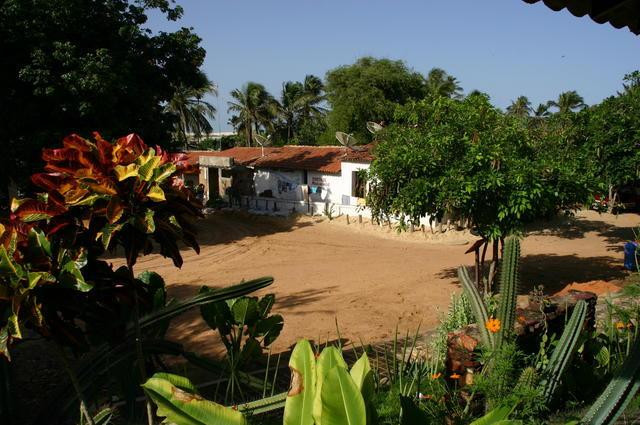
178,401
509,282
497,416
458,316
368,90
610,138
245,329
84,66
507,180
192,111
254,109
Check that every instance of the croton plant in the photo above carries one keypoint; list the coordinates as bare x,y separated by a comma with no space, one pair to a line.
96,196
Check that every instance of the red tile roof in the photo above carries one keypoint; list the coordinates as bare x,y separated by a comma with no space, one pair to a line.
327,159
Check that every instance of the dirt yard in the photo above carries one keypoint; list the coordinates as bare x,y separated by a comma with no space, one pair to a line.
369,278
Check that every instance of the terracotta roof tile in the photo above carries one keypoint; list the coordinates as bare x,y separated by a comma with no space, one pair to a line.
327,159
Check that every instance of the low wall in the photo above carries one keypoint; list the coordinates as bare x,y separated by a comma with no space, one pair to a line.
276,206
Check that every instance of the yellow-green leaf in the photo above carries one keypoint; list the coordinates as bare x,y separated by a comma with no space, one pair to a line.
125,171
156,193
148,163
298,407
161,173
342,402
187,408
329,358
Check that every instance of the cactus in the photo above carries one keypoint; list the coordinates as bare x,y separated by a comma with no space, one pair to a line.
508,288
620,391
263,405
564,350
477,305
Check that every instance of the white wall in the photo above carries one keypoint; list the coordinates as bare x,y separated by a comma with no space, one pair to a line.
283,184
329,185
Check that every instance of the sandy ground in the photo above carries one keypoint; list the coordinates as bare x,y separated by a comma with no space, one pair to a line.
370,278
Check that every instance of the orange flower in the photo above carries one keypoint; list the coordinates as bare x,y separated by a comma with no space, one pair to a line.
454,376
436,375
493,325
620,325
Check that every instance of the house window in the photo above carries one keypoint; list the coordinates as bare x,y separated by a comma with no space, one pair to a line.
359,184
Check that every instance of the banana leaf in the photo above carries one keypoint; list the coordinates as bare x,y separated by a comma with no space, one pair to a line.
342,402
298,408
182,406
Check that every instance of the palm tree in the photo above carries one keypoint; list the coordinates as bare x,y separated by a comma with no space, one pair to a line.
542,111
290,106
439,83
312,98
568,102
192,111
254,107
299,103
520,107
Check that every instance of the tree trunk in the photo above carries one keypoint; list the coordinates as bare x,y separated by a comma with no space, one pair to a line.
484,253
493,268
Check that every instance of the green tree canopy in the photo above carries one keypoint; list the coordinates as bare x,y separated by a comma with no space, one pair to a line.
368,90
439,83
193,112
300,109
254,108
611,138
568,101
521,107
79,66
468,159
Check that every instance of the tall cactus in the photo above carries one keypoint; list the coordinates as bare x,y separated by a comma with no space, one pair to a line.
564,350
509,281
477,305
614,399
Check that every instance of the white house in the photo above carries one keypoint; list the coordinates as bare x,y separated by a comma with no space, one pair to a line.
285,177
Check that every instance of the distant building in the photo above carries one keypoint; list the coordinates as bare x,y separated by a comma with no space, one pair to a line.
293,176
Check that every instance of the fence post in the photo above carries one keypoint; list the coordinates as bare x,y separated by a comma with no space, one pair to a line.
347,218
360,218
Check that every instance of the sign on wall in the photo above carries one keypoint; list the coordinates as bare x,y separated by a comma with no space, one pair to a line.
319,181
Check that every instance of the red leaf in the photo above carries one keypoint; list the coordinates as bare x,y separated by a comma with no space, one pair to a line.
50,181
73,141
105,150
61,154
32,210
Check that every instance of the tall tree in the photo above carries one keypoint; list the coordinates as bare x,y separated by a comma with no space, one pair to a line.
193,111
254,108
289,107
542,110
610,138
368,90
81,66
568,101
521,107
439,83
631,81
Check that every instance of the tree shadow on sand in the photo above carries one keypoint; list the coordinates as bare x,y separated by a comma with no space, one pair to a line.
555,272
577,227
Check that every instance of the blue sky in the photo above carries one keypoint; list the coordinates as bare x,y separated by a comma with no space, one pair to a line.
502,47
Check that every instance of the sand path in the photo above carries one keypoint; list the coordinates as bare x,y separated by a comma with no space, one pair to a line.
371,278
